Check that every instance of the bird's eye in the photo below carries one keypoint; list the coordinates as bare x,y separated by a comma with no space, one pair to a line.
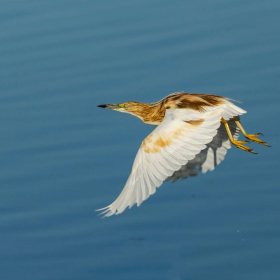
122,105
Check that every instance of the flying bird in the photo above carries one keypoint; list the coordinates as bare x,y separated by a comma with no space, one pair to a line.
189,128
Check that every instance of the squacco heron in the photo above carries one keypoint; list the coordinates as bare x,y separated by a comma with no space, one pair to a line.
186,124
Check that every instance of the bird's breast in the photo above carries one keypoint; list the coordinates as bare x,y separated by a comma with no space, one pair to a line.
152,122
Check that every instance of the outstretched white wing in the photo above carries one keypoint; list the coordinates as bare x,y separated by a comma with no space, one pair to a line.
178,139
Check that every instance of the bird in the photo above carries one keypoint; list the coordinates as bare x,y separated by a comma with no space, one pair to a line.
188,126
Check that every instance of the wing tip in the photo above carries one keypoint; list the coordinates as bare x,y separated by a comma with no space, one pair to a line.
106,212
230,99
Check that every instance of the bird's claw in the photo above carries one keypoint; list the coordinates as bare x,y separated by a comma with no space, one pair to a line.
243,147
253,138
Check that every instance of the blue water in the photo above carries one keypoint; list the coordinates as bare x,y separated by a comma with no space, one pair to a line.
62,157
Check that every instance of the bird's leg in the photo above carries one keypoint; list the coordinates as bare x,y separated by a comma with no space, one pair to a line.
238,144
251,137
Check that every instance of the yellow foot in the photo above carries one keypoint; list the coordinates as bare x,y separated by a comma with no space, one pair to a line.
253,138
235,142
239,145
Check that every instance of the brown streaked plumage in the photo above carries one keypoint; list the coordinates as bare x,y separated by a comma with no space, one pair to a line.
153,113
187,124
196,123
154,144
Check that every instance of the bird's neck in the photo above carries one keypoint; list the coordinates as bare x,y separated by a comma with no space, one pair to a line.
152,115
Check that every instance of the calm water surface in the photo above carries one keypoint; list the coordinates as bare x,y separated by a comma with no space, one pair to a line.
62,157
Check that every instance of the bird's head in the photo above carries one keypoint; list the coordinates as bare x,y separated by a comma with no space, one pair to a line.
134,108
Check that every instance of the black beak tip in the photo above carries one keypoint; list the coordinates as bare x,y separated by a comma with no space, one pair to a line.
102,106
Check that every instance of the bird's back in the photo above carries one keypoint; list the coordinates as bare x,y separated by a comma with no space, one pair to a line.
188,101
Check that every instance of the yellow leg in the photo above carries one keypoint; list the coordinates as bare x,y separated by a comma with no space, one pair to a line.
236,143
251,137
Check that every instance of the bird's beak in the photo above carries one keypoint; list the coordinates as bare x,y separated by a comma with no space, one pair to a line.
111,106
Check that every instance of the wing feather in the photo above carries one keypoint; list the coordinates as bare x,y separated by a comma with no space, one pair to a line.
210,157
